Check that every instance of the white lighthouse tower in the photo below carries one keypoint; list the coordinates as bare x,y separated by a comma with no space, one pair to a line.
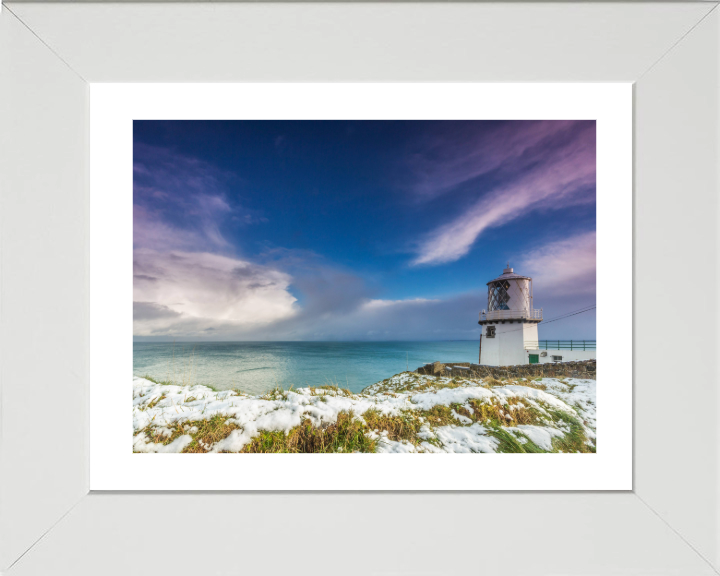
510,320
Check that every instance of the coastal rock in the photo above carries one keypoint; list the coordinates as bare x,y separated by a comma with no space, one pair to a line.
438,369
583,369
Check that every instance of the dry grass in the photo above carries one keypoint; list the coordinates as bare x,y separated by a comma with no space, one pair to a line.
156,401
515,411
209,432
439,416
152,434
335,389
490,382
403,427
533,384
275,394
347,434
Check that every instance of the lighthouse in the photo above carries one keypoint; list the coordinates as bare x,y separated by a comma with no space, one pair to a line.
510,320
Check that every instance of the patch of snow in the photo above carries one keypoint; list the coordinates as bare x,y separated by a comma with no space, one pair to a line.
466,439
177,445
387,446
460,417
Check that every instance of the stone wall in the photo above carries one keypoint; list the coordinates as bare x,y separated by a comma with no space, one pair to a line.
581,369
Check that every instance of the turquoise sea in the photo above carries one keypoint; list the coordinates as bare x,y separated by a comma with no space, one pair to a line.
256,367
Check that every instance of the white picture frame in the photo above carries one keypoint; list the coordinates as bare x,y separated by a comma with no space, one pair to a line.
50,53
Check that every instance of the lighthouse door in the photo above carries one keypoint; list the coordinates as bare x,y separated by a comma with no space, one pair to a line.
534,358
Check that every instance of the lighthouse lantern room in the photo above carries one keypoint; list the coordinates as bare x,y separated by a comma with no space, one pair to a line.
510,321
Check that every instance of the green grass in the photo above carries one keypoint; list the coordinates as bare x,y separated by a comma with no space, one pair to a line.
347,434
574,441
509,443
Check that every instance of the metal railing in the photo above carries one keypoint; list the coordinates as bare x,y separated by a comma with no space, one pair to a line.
560,345
512,315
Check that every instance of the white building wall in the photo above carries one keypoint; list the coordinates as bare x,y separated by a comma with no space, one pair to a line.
507,348
567,355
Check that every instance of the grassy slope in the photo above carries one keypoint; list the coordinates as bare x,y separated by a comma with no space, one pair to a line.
412,428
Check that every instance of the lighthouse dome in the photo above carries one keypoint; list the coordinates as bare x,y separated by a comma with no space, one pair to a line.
509,274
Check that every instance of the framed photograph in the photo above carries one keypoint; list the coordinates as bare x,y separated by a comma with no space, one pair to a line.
287,273
308,228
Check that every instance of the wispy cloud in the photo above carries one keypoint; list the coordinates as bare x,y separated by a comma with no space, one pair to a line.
182,203
445,159
554,167
387,304
564,267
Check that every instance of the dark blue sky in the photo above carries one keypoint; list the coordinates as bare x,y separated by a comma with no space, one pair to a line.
291,230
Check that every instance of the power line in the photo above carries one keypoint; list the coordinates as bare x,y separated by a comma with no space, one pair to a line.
570,314
561,317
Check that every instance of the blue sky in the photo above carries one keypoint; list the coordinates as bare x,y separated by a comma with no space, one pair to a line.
357,230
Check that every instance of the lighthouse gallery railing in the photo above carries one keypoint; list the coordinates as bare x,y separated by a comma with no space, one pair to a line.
512,315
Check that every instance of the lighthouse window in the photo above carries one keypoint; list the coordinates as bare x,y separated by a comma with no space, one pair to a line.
498,297
490,332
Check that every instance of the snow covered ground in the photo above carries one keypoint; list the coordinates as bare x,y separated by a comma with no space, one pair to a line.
406,413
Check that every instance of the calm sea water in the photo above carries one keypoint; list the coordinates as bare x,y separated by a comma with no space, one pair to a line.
256,367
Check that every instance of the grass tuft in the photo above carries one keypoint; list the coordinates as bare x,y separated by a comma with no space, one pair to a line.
509,443
209,432
347,434
439,415
515,411
576,440
155,402
403,427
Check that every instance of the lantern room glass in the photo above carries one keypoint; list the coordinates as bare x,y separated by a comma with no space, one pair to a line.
498,296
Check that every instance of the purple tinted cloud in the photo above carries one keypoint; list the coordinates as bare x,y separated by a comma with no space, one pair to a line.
181,202
544,166
564,267
444,161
